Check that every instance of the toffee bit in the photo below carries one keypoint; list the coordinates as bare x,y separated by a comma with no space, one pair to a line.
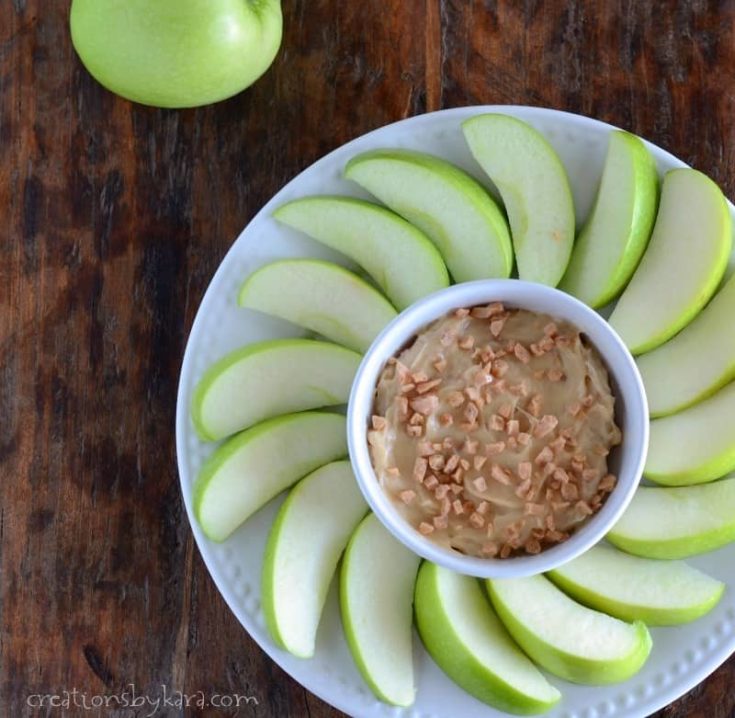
446,506
488,311
569,491
420,377
500,475
473,393
521,353
574,408
466,342
533,547
500,368
402,403
393,471
535,509
440,522
506,410
457,507
416,419
524,438
544,427
461,313
496,422
506,550
440,365
479,484
425,386
447,338
555,375
436,462
419,468
496,327
544,456
464,464
426,528
425,404
452,464
588,401
489,549
497,447
458,475
583,508
525,470
441,491
447,443
471,412
470,447
415,431
590,474
534,405
478,462
425,448
456,489
607,482
455,399
536,350
551,330
379,423
477,520
483,507
407,388
522,488
601,450
407,496
547,344
561,475
446,420
513,427
431,482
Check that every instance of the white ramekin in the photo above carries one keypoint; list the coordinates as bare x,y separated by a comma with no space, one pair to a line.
631,411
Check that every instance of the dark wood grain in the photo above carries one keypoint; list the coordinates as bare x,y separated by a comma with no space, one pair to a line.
114,218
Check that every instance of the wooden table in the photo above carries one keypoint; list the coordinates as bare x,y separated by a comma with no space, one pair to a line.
114,218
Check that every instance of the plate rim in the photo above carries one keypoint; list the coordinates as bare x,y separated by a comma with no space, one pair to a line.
662,698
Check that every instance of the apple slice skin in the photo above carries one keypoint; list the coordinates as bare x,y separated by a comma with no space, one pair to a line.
271,439
696,445
565,665
679,522
371,539
594,275
542,246
339,322
635,316
696,363
467,261
628,604
307,566
397,255
445,645
257,367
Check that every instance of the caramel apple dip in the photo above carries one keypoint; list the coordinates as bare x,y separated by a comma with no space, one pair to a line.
491,431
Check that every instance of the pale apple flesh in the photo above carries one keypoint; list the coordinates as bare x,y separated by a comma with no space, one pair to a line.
659,593
678,522
270,378
683,265
252,467
566,638
696,445
320,296
446,203
399,257
176,53
614,237
304,546
469,643
535,190
696,362
376,597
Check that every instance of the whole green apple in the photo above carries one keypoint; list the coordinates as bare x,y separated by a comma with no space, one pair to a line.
176,53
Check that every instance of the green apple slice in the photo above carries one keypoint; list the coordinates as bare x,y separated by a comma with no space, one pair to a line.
696,445
320,296
399,257
659,593
535,189
304,546
614,237
270,378
677,522
685,260
376,596
252,467
568,639
469,643
448,205
696,362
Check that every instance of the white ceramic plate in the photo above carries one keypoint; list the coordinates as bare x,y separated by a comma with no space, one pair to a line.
682,656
